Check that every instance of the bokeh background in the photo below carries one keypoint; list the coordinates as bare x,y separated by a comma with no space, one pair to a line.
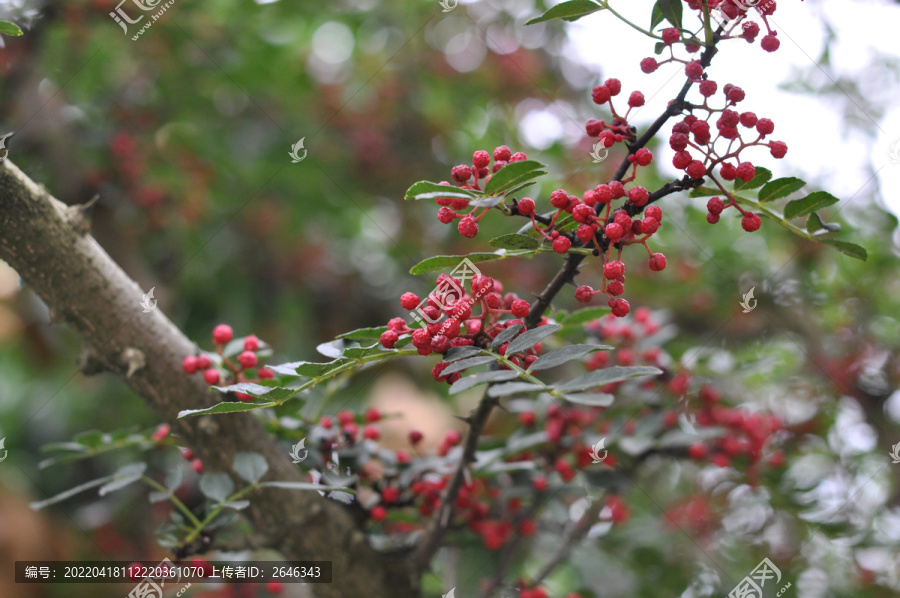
184,134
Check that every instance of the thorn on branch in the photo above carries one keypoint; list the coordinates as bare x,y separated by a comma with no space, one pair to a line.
134,359
4,151
56,315
89,362
79,216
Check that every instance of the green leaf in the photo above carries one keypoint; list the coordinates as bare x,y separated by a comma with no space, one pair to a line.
851,249
671,10
92,439
508,388
607,376
272,393
237,505
569,11
157,496
809,204
780,188
250,388
592,399
481,378
759,179
7,28
429,190
70,492
316,370
440,262
463,364
507,335
217,486
226,407
511,175
658,48
515,241
487,202
530,338
250,466
681,439
503,466
334,349
123,477
656,17
564,355
704,192
455,353
303,486
583,316
174,478
364,333
357,352
518,188
815,223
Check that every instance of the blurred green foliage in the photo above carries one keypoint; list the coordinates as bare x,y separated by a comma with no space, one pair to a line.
185,133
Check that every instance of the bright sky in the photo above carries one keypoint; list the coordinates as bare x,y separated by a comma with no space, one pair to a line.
819,150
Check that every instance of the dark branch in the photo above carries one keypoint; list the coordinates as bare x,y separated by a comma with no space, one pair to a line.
434,535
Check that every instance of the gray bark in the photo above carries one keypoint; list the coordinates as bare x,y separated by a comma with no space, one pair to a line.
86,289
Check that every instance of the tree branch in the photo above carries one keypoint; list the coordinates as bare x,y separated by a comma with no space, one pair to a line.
573,535
76,278
434,535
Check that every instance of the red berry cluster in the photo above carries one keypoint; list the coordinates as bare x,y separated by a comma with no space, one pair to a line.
162,432
471,177
625,335
749,434
450,320
619,130
695,133
695,514
735,23
347,432
188,455
599,224
489,506
229,373
618,229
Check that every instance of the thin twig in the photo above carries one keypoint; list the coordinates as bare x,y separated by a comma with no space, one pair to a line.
434,535
509,551
573,535
438,527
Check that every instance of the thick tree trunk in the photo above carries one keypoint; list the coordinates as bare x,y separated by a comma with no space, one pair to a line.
83,287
